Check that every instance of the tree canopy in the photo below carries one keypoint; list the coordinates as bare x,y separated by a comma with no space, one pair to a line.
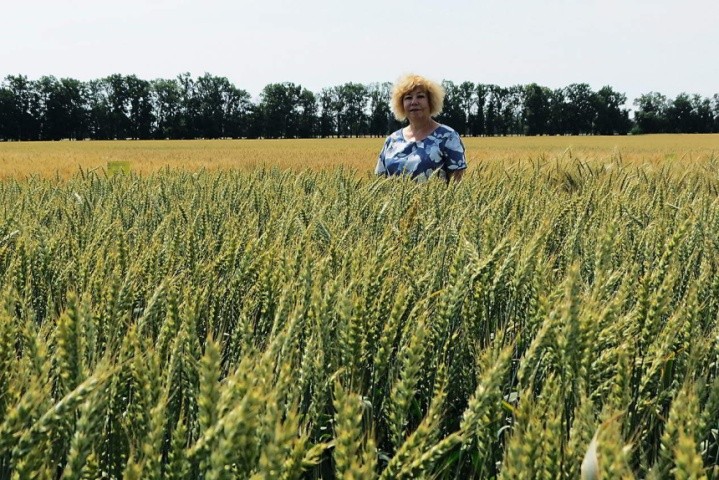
125,106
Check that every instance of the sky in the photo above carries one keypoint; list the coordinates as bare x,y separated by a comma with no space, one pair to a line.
634,46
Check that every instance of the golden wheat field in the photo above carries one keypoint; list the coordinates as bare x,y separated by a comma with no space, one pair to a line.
272,310
19,160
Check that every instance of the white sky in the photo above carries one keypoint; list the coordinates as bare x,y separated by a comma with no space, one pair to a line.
635,46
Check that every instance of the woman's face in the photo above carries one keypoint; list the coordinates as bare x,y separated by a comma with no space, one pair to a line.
416,103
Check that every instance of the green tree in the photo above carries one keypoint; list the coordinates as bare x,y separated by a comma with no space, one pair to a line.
278,105
7,106
210,121
651,113
580,110
477,126
690,114
381,119
514,110
307,114
535,115
327,116
49,113
504,110
118,100
611,118
557,106
679,114
189,111
62,108
76,98
221,107
98,105
453,113
139,107
23,115
237,108
494,106
702,117
167,108
467,100
350,107
254,122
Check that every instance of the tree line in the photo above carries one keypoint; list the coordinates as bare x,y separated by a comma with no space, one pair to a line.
125,106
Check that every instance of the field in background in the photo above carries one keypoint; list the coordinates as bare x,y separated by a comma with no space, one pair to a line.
48,159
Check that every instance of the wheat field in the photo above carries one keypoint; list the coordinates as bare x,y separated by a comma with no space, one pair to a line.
65,159
553,315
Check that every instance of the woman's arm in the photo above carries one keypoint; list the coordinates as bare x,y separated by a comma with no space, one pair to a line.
381,169
454,153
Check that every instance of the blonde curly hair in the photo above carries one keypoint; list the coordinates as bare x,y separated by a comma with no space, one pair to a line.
407,83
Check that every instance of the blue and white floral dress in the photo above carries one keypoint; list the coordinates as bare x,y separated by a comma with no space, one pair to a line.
438,154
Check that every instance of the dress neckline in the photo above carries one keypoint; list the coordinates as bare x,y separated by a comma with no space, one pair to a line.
401,132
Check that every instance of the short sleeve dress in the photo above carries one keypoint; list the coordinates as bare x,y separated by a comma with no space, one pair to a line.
438,154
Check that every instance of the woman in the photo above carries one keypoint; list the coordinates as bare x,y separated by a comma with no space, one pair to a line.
424,147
